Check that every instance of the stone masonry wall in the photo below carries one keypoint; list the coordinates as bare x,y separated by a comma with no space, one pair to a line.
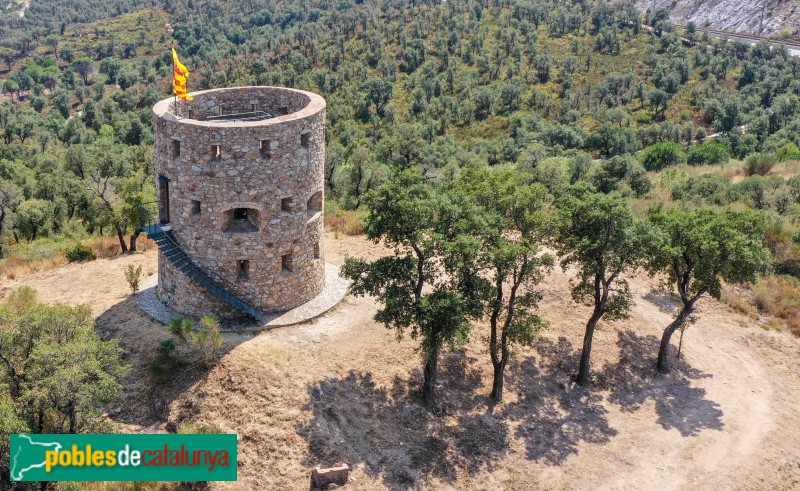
272,168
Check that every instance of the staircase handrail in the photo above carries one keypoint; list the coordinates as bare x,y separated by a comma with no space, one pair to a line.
222,282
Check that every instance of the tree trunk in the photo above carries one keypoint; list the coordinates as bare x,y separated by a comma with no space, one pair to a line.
663,350
429,378
121,236
583,369
497,382
133,240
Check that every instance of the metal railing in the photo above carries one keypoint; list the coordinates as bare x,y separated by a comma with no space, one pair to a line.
149,218
148,213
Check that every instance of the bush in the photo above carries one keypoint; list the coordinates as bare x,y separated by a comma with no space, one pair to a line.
613,174
132,276
759,163
204,337
208,340
661,155
165,362
180,327
788,152
708,189
710,153
79,253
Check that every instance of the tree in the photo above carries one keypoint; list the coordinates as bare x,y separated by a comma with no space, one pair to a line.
84,67
34,218
110,67
59,372
696,249
507,218
611,140
8,55
52,40
414,294
659,101
598,234
10,198
10,86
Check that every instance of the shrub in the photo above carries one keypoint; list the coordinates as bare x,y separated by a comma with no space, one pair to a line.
165,361
759,163
708,189
661,155
208,340
180,327
204,336
132,276
788,152
613,174
79,253
709,153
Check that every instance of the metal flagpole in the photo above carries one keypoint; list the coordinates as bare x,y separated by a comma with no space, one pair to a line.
173,79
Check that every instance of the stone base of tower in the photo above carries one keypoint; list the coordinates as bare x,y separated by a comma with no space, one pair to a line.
333,292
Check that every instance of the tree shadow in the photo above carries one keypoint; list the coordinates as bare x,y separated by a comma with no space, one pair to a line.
665,301
634,380
387,430
555,417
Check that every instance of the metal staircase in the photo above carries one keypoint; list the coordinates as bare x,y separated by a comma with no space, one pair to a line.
171,249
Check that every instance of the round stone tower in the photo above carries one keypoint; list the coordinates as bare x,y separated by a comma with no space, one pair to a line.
240,180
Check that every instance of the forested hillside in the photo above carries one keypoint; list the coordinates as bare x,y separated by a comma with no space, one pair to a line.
561,92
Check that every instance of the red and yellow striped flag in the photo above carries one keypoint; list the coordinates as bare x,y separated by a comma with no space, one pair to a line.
179,77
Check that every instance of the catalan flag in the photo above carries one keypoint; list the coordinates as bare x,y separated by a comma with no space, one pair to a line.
179,77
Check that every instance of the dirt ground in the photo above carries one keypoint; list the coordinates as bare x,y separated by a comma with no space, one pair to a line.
343,389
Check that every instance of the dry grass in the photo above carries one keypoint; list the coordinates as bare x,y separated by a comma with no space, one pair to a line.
345,222
343,388
740,299
786,169
51,256
777,296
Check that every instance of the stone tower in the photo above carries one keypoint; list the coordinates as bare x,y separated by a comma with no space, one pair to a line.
240,195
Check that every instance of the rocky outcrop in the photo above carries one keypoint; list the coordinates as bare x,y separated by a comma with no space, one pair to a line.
780,17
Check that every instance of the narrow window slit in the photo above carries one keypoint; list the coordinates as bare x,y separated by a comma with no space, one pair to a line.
264,148
242,269
286,263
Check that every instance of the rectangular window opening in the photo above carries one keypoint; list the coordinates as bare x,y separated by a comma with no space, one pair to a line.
304,140
253,108
287,205
286,263
191,114
195,208
316,251
242,269
220,109
216,152
176,148
264,148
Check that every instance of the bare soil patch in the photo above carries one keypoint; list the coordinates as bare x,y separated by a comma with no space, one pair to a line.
343,388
